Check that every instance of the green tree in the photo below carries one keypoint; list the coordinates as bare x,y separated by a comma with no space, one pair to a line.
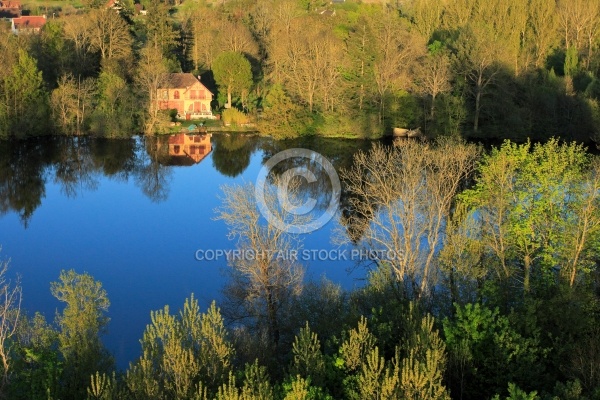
515,393
81,324
113,115
536,208
37,367
159,30
571,61
308,360
486,352
51,51
183,355
281,117
23,102
233,73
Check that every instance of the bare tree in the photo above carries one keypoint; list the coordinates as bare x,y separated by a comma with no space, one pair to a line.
208,41
401,199
10,311
264,278
580,24
585,226
109,34
479,63
433,76
542,25
427,16
458,13
150,77
71,103
396,50
306,56
78,31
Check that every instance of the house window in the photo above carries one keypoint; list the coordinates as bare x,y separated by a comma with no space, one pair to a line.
202,95
176,95
165,94
193,94
176,149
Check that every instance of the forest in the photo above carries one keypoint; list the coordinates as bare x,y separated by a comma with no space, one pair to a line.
496,294
486,70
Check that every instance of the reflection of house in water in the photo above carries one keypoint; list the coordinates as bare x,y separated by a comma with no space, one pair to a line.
187,149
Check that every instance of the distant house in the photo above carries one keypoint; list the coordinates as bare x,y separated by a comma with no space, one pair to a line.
27,24
187,149
185,93
138,8
114,4
10,9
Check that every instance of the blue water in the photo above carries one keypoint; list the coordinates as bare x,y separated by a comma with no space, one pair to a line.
139,243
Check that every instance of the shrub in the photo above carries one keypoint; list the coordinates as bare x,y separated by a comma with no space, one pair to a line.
234,116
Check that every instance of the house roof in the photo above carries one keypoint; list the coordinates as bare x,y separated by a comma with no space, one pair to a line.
181,81
10,4
29,22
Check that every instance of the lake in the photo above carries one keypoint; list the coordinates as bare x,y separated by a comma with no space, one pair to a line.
134,214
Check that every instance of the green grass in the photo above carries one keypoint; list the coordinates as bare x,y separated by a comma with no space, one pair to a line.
49,6
205,122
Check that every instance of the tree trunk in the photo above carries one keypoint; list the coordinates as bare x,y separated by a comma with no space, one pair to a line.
271,310
477,107
527,271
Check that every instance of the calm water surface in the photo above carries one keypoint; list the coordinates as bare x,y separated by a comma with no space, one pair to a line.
133,217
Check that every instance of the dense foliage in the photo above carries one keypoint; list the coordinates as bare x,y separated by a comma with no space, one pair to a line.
504,303
502,69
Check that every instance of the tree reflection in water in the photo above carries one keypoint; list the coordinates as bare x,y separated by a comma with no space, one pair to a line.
232,152
78,164
22,175
152,176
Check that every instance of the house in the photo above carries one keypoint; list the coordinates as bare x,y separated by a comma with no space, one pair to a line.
185,93
113,4
186,149
10,9
139,8
27,24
